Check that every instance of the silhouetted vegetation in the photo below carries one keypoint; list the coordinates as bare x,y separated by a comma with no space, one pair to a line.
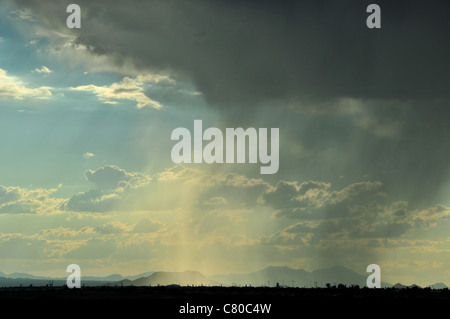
284,301
206,293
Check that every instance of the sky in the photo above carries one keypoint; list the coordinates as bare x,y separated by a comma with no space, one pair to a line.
86,117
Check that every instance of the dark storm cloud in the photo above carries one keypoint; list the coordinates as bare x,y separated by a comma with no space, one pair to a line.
245,52
359,210
292,199
404,144
378,98
377,101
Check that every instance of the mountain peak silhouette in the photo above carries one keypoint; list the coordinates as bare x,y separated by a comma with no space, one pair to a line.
165,278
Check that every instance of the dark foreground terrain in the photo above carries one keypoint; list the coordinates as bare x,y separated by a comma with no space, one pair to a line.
172,301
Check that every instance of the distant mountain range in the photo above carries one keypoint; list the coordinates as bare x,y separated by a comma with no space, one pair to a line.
438,285
23,279
110,278
163,278
285,276
270,276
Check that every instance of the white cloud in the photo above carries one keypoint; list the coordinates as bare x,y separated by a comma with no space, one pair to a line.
127,89
213,201
111,185
17,200
88,155
146,225
64,232
43,70
204,179
113,177
118,189
212,189
23,15
112,228
11,86
294,198
94,200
